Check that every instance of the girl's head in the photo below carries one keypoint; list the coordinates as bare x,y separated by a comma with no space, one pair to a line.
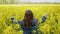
28,18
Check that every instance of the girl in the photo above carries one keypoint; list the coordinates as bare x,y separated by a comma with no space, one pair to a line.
28,24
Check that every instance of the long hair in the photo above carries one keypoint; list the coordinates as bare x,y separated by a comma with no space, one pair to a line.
28,18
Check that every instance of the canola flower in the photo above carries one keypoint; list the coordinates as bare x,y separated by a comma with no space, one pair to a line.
50,26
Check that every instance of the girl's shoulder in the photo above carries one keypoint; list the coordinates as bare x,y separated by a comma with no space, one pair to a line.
35,21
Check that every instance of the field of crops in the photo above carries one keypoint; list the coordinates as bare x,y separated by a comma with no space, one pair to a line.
50,26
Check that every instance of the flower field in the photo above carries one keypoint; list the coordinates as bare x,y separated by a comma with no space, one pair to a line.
50,26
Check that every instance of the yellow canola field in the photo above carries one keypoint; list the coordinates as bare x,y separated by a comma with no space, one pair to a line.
50,26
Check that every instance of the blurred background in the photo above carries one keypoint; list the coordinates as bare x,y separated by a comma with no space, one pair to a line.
39,9
28,1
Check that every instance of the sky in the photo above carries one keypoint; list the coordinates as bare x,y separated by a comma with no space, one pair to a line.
40,1
32,1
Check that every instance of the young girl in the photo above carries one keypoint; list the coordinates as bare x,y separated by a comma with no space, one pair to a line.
28,24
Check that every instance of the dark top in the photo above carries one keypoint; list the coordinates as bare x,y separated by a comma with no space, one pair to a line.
34,27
